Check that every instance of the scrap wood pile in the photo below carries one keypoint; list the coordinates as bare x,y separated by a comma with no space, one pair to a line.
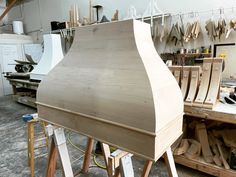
212,142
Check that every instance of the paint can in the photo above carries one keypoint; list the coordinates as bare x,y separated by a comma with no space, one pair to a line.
18,27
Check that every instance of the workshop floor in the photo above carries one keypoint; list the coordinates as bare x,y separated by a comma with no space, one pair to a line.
13,149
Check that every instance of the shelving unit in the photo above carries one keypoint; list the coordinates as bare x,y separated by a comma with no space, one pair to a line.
221,112
31,86
186,58
202,166
190,58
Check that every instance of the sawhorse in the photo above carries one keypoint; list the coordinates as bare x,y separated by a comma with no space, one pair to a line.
58,145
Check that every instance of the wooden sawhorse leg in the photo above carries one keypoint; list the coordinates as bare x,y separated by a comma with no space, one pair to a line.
147,168
58,145
169,161
87,156
112,160
31,146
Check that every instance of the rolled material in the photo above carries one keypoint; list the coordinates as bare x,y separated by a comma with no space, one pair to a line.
18,27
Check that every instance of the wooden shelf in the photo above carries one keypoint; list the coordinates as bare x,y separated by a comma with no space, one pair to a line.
29,101
194,55
202,166
24,83
221,112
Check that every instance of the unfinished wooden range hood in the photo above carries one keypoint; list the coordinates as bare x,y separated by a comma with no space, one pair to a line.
113,86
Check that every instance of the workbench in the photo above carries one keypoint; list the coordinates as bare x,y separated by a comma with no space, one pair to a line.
221,112
22,83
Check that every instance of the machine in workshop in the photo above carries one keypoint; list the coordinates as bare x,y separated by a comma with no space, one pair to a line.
27,82
112,80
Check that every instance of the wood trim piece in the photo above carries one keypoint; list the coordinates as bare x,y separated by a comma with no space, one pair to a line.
194,83
204,85
185,80
176,71
214,83
177,74
201,134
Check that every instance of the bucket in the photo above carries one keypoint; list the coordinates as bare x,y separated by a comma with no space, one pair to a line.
18,27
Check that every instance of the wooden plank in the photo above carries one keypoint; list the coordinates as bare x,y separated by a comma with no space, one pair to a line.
202,136
185,80
214,83
221,112
9,7
194,150
225,163
208,168
194,82
204,85
183,147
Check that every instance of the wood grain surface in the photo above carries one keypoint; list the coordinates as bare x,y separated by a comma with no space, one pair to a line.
113,86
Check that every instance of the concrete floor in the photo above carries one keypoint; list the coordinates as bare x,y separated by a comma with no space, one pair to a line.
13,149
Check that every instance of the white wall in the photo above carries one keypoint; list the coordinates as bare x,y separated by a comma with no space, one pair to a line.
58,9
37,15
2,7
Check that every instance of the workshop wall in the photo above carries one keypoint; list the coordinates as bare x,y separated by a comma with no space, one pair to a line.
37,15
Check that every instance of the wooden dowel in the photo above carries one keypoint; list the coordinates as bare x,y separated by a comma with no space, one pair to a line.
8,9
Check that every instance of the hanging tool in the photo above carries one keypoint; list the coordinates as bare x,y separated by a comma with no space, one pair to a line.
97,7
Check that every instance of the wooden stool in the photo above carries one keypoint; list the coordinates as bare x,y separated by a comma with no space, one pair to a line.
31,140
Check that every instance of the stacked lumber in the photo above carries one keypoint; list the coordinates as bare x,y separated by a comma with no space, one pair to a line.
210,142
199,89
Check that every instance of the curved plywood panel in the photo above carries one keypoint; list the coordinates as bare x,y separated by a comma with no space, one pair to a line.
214,83
185,80
114,87
52,55
204,85
194,82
